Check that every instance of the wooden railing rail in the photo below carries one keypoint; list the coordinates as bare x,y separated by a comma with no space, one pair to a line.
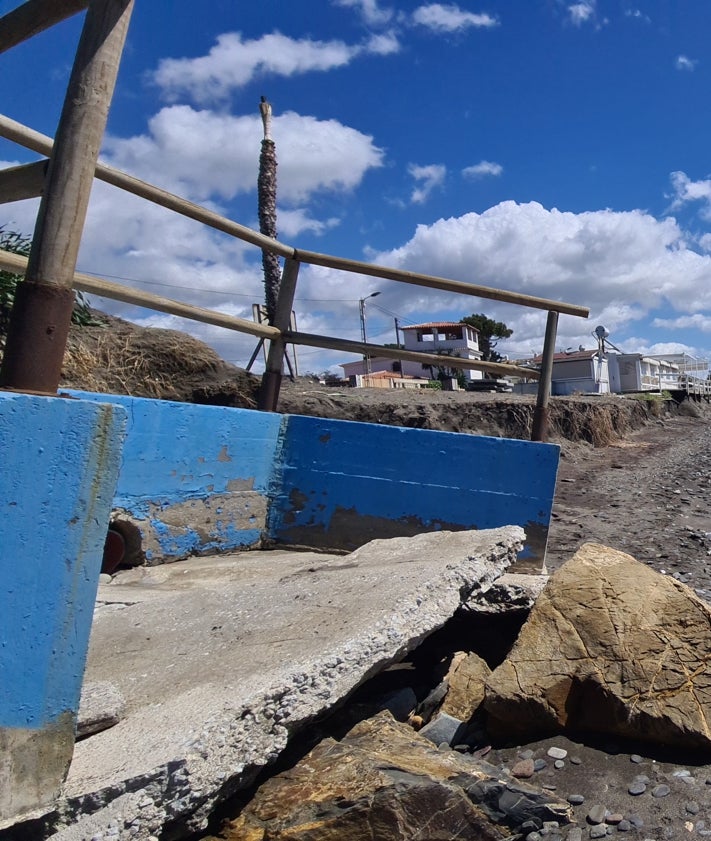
30,139
278,334
106,289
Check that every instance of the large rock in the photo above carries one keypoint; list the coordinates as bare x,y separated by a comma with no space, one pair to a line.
610,647
385,782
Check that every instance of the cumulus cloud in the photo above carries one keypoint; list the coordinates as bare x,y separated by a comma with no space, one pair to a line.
682,62
620,265
482,170
685,190
234,61
204,154
371,12
441,17
582,12
427,177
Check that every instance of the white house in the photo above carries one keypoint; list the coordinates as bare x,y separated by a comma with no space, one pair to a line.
580,371
633,372
449,338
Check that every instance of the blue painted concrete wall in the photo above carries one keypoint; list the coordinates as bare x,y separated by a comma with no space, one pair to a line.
204,478
194,479
344,483
60,463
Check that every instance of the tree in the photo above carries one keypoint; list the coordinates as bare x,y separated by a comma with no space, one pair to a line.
490,332
20,244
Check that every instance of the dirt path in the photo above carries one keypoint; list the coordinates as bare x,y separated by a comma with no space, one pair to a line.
649,495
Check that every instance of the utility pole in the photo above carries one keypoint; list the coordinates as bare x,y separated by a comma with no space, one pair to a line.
363,333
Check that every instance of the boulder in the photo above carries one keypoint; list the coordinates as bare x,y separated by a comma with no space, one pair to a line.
610,647
384,781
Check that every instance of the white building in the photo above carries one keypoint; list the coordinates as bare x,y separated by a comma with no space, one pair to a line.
635,372
449,338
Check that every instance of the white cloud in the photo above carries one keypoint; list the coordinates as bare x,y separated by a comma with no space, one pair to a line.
686,190
204,154
637,14
682,62
582,12
428,177
293,222
482,170
441,17
369,10
696,321
620,265
234,61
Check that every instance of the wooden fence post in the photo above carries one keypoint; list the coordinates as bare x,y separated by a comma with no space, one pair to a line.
44,301
271,380
540,414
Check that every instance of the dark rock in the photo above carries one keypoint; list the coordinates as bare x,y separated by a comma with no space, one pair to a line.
636,788
576,799
444,729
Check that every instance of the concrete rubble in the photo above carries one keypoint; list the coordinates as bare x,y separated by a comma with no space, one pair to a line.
221,660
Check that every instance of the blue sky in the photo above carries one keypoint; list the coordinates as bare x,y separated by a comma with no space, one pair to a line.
551,147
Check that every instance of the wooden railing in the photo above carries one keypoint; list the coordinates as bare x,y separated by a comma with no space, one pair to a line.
32,180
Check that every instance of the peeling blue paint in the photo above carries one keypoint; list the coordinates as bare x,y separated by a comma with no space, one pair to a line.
60,465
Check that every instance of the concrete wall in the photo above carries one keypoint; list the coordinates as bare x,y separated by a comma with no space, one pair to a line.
194,479
60,462
343,484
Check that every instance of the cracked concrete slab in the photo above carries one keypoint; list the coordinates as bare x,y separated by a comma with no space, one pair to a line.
221,659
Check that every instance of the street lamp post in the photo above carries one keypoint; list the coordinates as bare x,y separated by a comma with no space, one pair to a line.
363,334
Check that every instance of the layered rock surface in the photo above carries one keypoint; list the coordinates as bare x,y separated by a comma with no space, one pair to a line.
384,782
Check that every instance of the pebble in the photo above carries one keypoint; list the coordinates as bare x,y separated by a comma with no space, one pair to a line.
539,764
576,760
533,836
692,807
559,764
523,769
636,821
576,799
624,825
575,834
661,790
597,814
526,754
599,831
636,758
557,753
642,778
614,818
636,788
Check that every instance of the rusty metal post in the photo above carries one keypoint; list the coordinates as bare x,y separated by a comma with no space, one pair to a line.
540,414
271,380
41,317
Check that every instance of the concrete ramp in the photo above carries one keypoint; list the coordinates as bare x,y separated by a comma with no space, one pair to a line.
221,659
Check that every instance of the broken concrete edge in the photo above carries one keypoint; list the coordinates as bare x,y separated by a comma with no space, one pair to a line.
233,746
511,592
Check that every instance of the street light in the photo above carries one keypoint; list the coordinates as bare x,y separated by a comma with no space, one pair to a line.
363,334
